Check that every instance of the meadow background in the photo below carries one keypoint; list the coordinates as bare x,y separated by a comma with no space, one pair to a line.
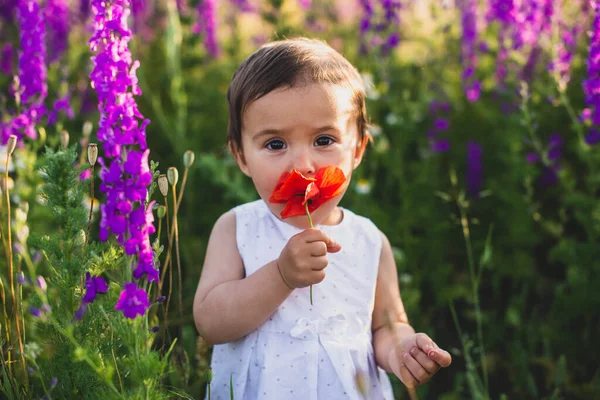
483,173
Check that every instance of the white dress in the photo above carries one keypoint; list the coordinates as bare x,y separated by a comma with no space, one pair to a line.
302,351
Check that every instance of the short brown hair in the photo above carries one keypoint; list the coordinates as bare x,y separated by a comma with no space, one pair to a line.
288,63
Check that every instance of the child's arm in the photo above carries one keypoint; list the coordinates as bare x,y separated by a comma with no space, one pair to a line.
413,357
227,305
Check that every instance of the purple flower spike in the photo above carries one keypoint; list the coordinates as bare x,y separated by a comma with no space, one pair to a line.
206,25
133,301
33,88
591,85
440,146
93,285
470,32
474,168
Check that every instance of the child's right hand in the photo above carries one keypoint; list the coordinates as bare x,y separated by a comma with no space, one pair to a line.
304,258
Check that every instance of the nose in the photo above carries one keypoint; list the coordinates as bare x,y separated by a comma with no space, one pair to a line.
303,162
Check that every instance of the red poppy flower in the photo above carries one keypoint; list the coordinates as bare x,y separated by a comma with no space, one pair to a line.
295,190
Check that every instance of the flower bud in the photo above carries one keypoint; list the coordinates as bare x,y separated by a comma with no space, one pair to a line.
155,329
173,176
53,383
92,153
41,282
11,144
163,184
188,158
209,374
36,312
87,129
161,211
21,278
160,299
64,139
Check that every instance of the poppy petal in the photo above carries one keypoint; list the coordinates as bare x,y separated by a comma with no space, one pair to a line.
295,184
330,181
293,208
311,191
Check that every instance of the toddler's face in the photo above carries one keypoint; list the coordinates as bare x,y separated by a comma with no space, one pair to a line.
304,128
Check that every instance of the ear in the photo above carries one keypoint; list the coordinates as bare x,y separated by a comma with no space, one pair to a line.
238,154
360,150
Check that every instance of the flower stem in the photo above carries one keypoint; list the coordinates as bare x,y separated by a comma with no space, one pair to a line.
87,235
175,228
310,223
11,269
168,227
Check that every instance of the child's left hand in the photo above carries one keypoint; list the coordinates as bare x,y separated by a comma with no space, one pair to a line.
416,359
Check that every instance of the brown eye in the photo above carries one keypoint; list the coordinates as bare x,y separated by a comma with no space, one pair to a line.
323,141
275,144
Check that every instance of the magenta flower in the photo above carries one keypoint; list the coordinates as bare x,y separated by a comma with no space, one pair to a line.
133,301
206,25
93,286
470,31
591,85
33,88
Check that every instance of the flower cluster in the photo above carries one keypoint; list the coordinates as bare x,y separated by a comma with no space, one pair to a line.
437,109
472,86
206,25
56,14
591,85
125,173
382,32
32,87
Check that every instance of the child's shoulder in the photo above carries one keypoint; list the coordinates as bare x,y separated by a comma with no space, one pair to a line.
361,225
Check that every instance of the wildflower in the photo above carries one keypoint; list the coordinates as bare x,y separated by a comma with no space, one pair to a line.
132,301
125,172
591,85
56,14
470,31
160,299
363,186
32,87
53,382
155,329
474,168
36,312
207,25
93,285
62,104
295,190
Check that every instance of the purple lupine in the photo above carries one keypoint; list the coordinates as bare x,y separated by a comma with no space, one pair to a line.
505,12
125,172
56,14
93,286
206,25
33,88
591,85
472,86
474,168
382,33
6,59
133,301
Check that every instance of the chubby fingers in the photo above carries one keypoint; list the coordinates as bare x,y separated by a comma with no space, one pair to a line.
317,235
433,352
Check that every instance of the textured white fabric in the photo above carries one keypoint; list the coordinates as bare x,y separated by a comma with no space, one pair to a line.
302,351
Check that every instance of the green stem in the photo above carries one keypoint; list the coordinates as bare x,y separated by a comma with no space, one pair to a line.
475,287
310,223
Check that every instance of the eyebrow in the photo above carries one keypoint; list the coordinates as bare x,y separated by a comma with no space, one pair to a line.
272,131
